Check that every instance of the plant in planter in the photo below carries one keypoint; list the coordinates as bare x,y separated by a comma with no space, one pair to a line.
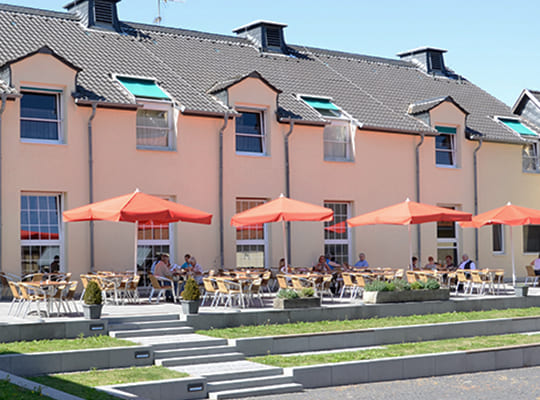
289,298
92,301
190,297
401,291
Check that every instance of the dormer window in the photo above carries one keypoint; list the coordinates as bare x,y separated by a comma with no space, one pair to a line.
41,115
445,146
516,125
323,106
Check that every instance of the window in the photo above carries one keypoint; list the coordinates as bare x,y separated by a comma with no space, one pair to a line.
323,106
530,157
154,126
40,232
337,141
250,136
447,239
40,116
445,146
498,238
152,240
531,239
517,126
251,244
336,234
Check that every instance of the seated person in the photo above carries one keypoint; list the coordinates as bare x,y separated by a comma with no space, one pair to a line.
196,270
331,262
321,266
284,269
449,263
431,264
535,263
163,266
55,265
361,263
414,263
466,263
186,263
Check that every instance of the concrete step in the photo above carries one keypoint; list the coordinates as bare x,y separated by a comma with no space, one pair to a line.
256,391
220,386
200,359
181,330
192,351
128,326
188,341
231,370
142,318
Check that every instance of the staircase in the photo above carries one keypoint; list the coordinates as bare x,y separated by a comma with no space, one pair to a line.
175,346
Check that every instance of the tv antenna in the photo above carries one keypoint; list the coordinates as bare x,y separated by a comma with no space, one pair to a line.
157,20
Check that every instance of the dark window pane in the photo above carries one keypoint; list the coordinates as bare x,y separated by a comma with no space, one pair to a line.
251,144
38,105
531,241
443,142
39,130
249,123
497,233
444,158
446,230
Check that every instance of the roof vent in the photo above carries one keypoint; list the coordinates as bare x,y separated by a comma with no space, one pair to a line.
96,13
266,35
430,59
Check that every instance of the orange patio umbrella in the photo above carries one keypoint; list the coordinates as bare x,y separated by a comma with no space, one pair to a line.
506,215
407,213
340,227
282,209
137,207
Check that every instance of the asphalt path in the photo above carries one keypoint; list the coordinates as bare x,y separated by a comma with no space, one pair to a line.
508,384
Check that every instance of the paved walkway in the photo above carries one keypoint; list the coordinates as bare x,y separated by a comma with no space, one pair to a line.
510,384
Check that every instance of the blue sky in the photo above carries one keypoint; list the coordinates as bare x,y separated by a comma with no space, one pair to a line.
492,43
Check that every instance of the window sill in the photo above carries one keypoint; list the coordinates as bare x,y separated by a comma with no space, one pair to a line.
531,172
340,160
447,166
41,141
241,153
149,148
499,253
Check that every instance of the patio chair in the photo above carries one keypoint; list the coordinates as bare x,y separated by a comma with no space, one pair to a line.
69,296
411,277
531,275
477,283
348,285
33,295
265,283
299,283
84,281
210,291
17,299
253,292
498,280
463,281
5,278
360,281
131,288
166,284
283,282
325,287
230,290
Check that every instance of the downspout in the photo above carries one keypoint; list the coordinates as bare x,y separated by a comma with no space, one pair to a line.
288,183
475,162
2,108
91,181
220,190
418,233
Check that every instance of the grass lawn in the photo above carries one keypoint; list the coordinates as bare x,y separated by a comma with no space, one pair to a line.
348,325
81,383
9,391
399,350
38,346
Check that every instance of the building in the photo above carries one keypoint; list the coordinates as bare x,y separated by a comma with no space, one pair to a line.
93,107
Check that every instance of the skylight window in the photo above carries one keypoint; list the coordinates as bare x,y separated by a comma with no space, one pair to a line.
145,88
323,106
517,126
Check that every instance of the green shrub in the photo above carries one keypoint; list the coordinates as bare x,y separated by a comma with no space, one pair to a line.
307,292
432,284
402,284
287,294
417,285
191,290
92,294
379,286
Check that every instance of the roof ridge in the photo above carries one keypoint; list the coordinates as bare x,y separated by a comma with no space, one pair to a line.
38,11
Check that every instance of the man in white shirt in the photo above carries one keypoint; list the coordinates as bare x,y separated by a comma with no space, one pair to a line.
466,263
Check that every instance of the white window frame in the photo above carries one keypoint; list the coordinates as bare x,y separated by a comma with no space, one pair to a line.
349,157
263,135
43,242
452,150
501,251
157,106
535,159
253,242
447,243
348,240
59,94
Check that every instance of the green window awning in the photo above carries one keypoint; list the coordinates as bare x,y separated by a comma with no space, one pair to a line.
446,129
322,104
139,87
517,126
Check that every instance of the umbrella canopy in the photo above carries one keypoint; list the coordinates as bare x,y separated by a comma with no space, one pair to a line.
282,209
340,227
137,207
407,213
506,215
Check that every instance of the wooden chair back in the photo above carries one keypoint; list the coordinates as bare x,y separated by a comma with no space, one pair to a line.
282,281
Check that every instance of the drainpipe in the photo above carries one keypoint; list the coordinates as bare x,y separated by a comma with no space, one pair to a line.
91,181
2,108
220,190
288,183
475,161
418,233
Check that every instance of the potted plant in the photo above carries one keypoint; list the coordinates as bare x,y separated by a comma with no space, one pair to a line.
290,298
521,289
190,297
92,301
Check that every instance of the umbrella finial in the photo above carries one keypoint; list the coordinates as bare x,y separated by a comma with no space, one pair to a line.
281,195
407,200
137,190
509,203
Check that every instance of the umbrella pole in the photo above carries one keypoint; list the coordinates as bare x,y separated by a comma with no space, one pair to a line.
410,248
135,245
513,260
284,243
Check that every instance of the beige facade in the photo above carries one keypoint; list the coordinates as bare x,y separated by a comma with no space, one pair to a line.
380,173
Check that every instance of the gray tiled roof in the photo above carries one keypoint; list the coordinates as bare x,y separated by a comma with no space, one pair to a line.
375,91
426,105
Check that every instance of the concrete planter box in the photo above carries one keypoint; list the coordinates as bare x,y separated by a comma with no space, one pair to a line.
522,291
406,296
301,302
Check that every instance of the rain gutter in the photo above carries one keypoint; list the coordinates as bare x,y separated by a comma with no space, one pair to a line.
475,162
288,182
91,181
417,182
2,108
220,190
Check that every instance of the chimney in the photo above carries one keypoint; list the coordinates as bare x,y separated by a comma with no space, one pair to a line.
100,14
430,59
266,35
